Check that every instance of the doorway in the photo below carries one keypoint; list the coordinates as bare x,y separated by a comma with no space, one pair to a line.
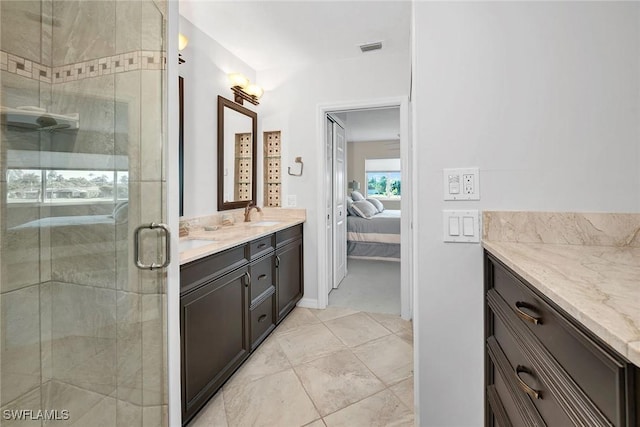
327,264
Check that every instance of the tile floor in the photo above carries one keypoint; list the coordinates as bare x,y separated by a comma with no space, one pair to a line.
333,367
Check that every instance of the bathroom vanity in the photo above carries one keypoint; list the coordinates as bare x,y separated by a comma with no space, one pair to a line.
234,291
562,323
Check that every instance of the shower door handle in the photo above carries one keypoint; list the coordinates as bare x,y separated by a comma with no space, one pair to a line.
167,246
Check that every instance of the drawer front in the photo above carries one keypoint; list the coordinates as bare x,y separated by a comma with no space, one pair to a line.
260,247
524,375
262,319
591,367
261,276
287,235
203,270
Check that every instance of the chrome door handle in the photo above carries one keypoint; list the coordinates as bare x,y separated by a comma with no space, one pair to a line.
136,246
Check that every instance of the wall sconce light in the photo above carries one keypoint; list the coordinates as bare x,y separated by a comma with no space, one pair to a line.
183,41
354,185
244,90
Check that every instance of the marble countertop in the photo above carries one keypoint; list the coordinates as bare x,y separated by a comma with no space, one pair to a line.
598,285
228,236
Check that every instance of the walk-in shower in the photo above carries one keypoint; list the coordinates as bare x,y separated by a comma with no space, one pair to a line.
82,131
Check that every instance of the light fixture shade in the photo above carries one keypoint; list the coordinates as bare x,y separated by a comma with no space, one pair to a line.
183,41
254,90
237,79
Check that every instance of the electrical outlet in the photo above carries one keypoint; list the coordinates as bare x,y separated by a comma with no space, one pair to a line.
461,184
467,181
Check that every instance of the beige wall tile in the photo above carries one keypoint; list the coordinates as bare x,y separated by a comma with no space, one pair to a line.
20,344
129,347
20,29
88,27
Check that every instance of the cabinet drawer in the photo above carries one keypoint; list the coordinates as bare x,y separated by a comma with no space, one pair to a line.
262,318
597,373
546,405
261,277
260,247
203,270
287,235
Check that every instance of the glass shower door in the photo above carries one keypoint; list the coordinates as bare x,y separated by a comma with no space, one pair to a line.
82,140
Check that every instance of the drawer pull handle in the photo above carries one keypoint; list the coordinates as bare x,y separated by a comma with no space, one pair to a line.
248,277
527,317
535,394
262,245
262,318
262,276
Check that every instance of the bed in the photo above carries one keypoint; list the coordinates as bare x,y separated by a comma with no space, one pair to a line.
375,238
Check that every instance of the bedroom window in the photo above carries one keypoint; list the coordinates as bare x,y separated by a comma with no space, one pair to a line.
383,178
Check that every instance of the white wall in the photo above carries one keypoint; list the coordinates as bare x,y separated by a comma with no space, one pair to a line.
291,105
544,98
205,77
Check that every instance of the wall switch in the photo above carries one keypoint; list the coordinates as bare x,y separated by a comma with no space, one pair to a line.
461,184
461,226
292,200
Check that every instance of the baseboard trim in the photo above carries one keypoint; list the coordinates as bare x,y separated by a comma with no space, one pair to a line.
308,303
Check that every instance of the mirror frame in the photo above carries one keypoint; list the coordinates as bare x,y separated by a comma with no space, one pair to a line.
222,103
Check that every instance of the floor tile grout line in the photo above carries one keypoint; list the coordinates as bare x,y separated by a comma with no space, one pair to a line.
307,393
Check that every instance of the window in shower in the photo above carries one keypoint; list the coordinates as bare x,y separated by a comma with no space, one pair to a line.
66,186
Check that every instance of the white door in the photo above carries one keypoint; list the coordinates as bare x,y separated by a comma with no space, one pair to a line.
339,208
328,184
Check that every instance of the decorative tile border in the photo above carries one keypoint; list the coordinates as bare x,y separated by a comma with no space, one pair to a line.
131,61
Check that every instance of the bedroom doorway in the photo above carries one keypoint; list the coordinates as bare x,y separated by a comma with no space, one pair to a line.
376,149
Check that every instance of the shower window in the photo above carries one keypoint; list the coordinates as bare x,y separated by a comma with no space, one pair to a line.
66,186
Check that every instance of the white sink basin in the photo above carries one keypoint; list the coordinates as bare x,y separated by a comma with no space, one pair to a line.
185,245
264,223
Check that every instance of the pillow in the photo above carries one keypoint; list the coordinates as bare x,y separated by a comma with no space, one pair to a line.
356,196
349,209
364,209
377,203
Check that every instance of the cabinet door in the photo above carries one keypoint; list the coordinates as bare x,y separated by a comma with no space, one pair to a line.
214,336
289,280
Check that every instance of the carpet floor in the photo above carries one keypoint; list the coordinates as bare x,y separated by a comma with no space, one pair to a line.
372,286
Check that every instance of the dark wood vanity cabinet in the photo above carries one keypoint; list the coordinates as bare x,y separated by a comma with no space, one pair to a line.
214,336
289,272
543,368
229,303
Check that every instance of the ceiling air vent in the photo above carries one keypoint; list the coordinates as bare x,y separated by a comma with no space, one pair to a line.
370,46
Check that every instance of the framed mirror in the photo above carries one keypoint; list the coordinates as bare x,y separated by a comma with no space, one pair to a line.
237,157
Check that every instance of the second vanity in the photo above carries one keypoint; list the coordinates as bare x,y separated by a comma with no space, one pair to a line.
234,290
562,319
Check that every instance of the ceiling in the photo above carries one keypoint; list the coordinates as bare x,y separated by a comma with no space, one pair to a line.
381,124
272,34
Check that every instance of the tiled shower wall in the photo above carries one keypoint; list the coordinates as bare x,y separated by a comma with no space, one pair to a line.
81,328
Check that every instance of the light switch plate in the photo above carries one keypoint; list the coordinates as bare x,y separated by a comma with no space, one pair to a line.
461,184
461,226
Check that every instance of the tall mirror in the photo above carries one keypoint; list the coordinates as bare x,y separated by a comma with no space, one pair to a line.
237,128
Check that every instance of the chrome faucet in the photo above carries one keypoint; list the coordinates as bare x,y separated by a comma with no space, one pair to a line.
247,211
